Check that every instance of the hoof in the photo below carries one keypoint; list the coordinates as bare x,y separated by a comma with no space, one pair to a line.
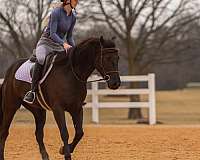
45,158
68,158
44,155
61,151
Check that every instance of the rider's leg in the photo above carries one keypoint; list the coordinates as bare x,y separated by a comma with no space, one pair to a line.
41,53
30,96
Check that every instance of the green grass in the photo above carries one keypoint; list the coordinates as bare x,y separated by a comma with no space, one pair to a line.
173,107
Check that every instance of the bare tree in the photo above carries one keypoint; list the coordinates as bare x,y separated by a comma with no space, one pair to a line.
137,23
21,25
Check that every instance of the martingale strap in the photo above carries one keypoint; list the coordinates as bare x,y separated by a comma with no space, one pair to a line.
39,94
41,100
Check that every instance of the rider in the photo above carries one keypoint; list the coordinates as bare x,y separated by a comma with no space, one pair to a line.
57,36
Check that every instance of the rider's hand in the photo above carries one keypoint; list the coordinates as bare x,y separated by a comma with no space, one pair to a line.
66,46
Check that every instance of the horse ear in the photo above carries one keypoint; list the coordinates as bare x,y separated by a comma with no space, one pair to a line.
102,40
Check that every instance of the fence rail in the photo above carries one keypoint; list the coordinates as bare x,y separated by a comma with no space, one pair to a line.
95,92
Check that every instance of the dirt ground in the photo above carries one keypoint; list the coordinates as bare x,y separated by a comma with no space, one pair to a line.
110,142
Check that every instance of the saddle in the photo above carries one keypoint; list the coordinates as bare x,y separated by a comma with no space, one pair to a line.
51,59
48,62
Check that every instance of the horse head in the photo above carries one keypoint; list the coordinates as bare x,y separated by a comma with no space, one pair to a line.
107,62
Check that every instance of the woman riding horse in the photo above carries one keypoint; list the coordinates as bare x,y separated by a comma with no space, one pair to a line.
61,24
71,72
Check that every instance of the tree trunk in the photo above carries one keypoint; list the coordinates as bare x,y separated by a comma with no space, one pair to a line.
134,113
133,69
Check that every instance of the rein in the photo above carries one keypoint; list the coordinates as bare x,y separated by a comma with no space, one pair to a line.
106,76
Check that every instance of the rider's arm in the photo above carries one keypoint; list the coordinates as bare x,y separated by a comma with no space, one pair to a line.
70,38
53,27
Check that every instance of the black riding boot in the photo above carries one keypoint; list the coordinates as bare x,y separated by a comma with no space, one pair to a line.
30,96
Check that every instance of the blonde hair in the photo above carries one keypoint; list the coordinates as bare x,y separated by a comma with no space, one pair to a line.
52,6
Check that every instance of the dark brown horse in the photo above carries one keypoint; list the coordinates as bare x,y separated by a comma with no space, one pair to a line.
64,90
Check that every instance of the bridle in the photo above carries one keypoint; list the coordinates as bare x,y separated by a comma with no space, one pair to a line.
106,76
106,73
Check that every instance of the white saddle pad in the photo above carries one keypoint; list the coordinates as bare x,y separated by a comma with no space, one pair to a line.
23,72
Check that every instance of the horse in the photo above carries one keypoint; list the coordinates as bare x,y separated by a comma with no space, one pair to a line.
70,73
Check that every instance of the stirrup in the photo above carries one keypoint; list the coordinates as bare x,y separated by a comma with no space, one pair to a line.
26,96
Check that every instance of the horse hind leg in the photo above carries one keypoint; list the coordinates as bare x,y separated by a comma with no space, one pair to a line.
40,119
1,111
9,108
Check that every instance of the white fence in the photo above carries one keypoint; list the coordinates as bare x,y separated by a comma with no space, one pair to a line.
95,92
193,85
150,91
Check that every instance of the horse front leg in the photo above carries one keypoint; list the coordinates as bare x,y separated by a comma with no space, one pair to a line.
78,125
77,118
59,116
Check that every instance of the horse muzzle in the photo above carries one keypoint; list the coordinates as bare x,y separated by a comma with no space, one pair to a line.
113,81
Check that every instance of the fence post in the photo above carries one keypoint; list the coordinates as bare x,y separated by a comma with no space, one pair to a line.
152,99
95,101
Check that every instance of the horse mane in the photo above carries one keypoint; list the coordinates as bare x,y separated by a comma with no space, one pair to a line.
62,58
82,44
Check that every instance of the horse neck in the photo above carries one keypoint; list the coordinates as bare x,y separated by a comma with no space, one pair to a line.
84,60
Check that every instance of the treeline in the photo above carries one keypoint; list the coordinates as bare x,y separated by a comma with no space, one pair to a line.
179,68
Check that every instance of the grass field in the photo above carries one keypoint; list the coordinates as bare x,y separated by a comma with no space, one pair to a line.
173,107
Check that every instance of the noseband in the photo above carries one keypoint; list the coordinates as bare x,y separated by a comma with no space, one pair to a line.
106,73
106,76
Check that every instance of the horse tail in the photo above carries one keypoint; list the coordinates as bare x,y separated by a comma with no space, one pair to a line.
1,109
